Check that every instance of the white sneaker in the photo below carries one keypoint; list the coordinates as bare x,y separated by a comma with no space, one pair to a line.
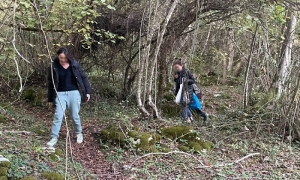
52,142
79,138
188,121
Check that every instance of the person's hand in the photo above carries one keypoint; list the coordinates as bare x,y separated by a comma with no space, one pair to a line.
176,76
88,97
50,105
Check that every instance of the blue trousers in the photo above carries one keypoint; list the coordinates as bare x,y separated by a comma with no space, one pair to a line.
186,112
69,100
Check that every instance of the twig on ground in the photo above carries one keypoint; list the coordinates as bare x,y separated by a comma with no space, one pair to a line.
231,163
16,132
168,153
127,138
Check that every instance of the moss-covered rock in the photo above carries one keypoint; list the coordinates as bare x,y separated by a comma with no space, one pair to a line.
3,171
207,145
3,119
29,95
3,178
170,109
6,164
34,96
184,148
52,176
114,135
165,149
133,133
176,131
259,100
195,146
189,139
146,141
29,178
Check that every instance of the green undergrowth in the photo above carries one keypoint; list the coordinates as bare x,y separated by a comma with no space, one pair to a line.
28,159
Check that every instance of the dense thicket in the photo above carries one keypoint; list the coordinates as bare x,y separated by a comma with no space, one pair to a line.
128,46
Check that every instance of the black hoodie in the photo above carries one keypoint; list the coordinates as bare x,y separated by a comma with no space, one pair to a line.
78,73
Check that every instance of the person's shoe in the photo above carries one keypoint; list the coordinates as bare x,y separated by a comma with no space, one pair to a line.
188,120
192,119
203,115
52,142
79,138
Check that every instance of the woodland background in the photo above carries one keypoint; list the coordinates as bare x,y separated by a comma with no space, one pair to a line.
243,53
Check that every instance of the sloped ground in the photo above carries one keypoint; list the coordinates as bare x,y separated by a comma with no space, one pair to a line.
245,146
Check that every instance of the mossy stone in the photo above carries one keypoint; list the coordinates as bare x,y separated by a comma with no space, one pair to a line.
6,164
28,178
196,146
207,145
3,119
34,96
52,176
133,134
166,149
153,149
29,95
184,148
147,142
3,171
3,178
176,131
114,135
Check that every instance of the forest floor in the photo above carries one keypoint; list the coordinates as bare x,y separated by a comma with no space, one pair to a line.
245,145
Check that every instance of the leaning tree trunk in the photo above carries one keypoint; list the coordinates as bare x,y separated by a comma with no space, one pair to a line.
286,54
154,62
250,57
146,78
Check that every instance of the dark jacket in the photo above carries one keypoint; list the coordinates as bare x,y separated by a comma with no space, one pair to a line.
81,78
188,84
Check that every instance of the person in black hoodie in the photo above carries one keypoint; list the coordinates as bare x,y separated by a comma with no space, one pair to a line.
182,75
68,86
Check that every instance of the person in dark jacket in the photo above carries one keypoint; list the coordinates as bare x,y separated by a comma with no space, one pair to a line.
68,86
183,75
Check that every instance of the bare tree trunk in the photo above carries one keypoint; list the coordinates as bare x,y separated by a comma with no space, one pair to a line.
246,85
224,69
230,50
157,50
141,73
286,52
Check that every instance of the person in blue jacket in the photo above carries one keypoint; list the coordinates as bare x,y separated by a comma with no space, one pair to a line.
183,75
68,86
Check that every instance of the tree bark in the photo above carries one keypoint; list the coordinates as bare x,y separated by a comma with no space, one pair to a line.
157,50
246,85
286,53
230,50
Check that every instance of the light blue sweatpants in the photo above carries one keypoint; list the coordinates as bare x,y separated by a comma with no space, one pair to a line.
69,100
